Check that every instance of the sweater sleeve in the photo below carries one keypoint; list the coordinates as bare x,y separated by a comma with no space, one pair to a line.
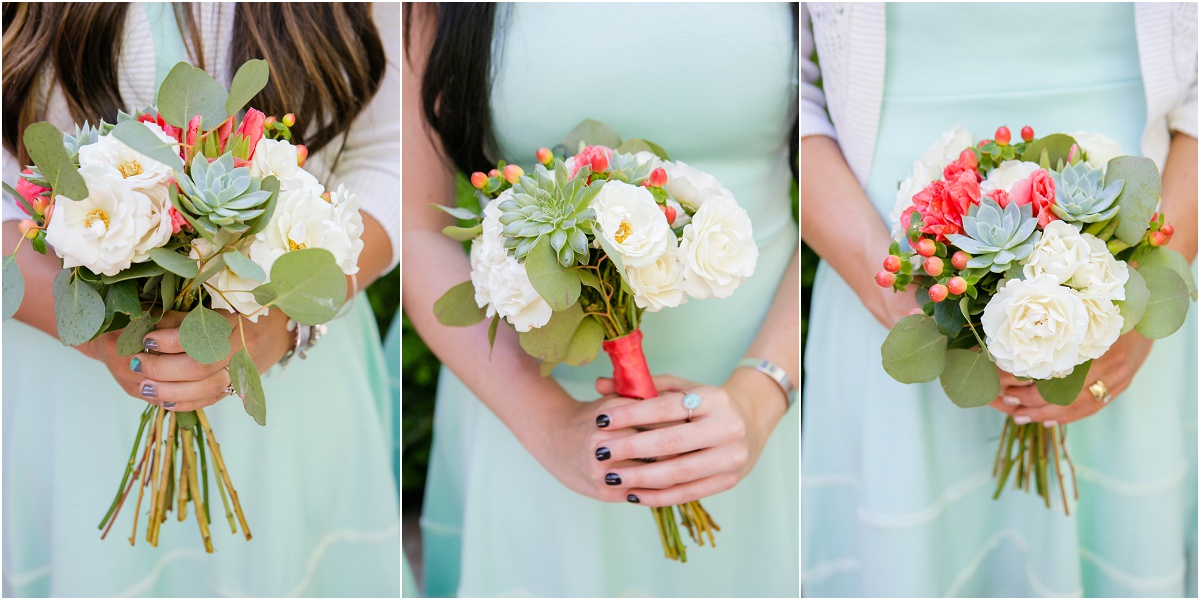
369,164
1182,116
813,118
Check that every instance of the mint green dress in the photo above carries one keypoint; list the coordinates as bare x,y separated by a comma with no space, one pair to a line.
315,483
897,484
714,84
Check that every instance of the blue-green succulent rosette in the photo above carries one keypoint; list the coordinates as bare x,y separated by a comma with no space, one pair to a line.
1032,258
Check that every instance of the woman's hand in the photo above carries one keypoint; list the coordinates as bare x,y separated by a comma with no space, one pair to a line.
708,455
1116,369
166,376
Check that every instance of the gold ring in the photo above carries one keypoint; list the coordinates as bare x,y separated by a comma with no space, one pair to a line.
1099,391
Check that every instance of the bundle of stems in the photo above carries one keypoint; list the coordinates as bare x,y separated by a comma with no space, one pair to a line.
1037,447
169,469
693,517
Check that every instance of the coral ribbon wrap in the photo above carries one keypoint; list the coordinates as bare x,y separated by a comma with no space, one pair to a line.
631,374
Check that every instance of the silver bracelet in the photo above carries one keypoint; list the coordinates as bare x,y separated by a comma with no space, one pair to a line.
773,371
303,339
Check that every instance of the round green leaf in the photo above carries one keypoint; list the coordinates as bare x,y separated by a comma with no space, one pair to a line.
250,79
1134,305
462,234
1056,146
187,92
44,142
558,285
551,341
79,313
307,284
130,340
1139,195
175,262
243,267
1168,304
586,343
970,379
591,132
248,385
457,307
1065,390
204,335
14,286
914,351
1166,257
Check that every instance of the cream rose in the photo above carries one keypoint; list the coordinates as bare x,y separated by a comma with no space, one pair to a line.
138,170
115,226
717,250
659,285
1103,276
236,294
1035,327
501,284
1060,252
306,219
1104,326
946,150
692,187
1098,148
1006,175
274,157
631,224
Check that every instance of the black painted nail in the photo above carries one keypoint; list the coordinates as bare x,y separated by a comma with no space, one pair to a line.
602,421
149,391
150,344
603,454
612,479
632,498
168,405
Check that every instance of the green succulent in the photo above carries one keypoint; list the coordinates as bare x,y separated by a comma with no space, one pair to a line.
997,237
625,167
1080,195
220,196
550,204
88,134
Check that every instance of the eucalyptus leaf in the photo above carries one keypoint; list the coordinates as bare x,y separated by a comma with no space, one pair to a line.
167,286
271,184
1139,196
204,335
1048,150
123,298
591,133
495,324
248,385
1168,304
187,92
590,279
135,271
1166,257
175,262
457,307
139,137
130,340
61,281
79,313
914,351
249,80
639,145
212,267
1064,391
1134,305
14,286
44,142
949,317
970,379
308,285
557,285
462,234
551,341
457,212
243,267
586,343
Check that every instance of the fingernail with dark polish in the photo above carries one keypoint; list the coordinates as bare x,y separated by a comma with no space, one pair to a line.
150,344
603,454
149,391
612,479
602,421
168,405
632,498
135,365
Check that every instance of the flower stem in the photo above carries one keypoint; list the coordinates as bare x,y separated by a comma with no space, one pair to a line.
220,463
128,468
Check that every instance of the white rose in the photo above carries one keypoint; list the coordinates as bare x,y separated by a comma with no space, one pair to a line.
1008,173
630,222
139,171
1035,327
646,156
904,198
236,294
487,252
1103,276
1104,326
659,285
946,149
114,226
501,284
274,157
717,249
304,219
1098,148
1060,252
692,187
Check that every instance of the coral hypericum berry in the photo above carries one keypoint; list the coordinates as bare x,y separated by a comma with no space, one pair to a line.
926,247
1167,229
658,177
668,212
891,264
959,260
934,266
1027,133
478,179
29,229
544,156
513,172
1158,238
1003,135
956,285
968,158
289,119
938,292
885,279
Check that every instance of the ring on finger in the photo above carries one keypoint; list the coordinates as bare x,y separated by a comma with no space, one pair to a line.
691,402
1099,391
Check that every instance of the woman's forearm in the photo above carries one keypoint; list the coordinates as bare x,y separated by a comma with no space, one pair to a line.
1179,194
39,271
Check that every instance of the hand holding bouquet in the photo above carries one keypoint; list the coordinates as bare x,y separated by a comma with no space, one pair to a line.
1035,257
572,256
184,207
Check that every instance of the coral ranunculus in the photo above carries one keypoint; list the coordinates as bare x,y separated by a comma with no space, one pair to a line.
941,212
596,157
1042,194
1000,196
27,190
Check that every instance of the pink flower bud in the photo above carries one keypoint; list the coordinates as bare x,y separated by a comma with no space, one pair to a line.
251,128
891,264
885,279
544,156
512,173
938,292
956,285
193,130
658,177
478,180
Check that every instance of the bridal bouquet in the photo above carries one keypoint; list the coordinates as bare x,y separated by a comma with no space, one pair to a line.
184,207
1034,257
573,255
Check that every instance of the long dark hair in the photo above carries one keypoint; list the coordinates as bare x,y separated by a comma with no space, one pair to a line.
457,84
327,60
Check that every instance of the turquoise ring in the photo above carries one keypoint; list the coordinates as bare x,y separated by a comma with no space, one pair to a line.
691,402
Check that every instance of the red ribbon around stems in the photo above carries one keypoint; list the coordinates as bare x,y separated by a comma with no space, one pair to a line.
630,371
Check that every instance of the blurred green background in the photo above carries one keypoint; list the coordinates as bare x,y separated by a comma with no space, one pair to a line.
420,373
385,299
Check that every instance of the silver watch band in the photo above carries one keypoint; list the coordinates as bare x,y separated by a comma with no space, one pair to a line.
773,371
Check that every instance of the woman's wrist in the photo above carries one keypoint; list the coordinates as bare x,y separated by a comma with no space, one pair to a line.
760,398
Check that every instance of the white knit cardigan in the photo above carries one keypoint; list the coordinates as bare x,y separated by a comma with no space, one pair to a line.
851,40
370,160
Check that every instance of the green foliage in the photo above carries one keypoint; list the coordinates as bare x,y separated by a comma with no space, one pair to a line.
1056,147
249,80
551,342
1065,390
635,146
559,286
997,237
187,91
247,383
243,267
591,133
1139,195
130,340
586,343
308,285
1168,303
139,137
175,262
204,335
457,307
1166,257
44,142
970,379
1134,305
78,312
14,286
914,351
